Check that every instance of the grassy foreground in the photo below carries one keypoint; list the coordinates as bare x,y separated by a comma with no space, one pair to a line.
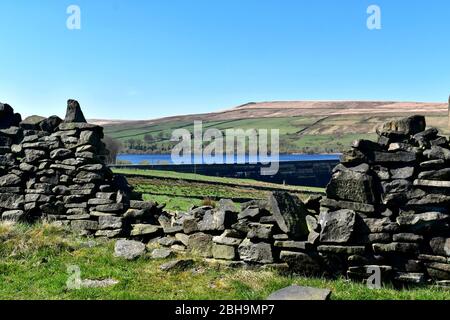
34,262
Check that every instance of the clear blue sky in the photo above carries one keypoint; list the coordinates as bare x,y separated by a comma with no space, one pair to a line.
144,59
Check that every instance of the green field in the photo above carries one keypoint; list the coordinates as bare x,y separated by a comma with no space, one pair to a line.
179,191
298,134
295,134
34,262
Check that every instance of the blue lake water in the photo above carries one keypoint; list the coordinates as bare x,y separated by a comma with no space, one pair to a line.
167,159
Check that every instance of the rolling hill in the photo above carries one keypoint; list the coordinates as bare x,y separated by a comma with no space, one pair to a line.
305,126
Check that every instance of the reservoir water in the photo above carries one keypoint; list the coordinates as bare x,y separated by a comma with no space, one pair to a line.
155,159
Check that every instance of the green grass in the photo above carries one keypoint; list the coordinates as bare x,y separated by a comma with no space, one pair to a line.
180,191
34,262
203,178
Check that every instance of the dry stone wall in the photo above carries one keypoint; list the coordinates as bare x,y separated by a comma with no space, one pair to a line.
54,169
386,206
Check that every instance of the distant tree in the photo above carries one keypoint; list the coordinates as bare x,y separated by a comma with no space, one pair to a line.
131,143
114,146
160,135
149,138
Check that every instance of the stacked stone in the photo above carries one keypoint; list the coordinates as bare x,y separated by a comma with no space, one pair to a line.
265,232
54,170
387,206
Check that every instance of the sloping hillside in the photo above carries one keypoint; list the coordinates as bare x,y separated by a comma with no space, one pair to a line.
305,126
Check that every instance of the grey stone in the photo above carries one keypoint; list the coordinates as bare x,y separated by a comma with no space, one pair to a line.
442,174
214,220
403,127
312,223
349,250
293,245
260,231
32,122
407,237
295,292
355,206
440,246
220,251
190,225
376,225
115,207
402,173
79,225
177,265
430,199
14,215
109,222
395,247
423,221
87,283
290,214
167,241
382,173
59,154
249,212
436,153
361,168
74,113
50,124
373,238
228,238
200,244
32,155
432,164
11,201
255,252
432,183
183,238
129,249
337,227
84,216
161,253
438,271
351,186
301,263
7,159
109,233
396,186
145,230
9,180
142,205
394,157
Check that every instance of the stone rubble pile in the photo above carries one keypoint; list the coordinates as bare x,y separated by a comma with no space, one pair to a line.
54,169
261,232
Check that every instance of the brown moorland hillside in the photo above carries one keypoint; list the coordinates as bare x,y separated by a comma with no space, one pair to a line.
305,126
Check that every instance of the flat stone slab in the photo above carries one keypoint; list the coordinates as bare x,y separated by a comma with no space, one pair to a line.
161,253
431,183
295,292
129,249
177,265
98,283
